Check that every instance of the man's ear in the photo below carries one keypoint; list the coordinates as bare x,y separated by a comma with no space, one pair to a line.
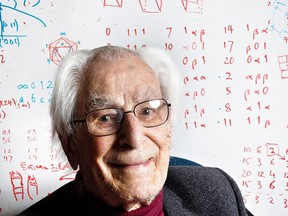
70,148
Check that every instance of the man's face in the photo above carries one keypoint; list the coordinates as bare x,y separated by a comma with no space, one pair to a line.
128,167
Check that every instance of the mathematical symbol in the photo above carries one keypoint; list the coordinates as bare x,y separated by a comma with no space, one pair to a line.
249,108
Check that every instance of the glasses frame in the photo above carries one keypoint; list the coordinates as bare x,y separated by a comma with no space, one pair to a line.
79,121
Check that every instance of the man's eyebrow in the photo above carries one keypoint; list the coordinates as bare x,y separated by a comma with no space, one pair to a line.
148,94
98,102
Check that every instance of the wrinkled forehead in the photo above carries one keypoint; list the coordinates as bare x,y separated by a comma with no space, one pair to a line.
105,80
100,73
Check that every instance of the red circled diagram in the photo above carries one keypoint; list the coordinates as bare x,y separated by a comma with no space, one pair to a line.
59,48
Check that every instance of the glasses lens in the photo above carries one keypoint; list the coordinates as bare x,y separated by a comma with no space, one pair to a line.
152,113
104,122
108,121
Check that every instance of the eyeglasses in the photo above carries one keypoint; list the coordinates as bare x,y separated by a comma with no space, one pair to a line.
107,121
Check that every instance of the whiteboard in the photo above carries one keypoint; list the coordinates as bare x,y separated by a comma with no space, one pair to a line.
233,59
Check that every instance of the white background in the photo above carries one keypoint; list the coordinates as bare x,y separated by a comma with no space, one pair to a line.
233,61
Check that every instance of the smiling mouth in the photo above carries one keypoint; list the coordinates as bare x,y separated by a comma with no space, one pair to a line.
130,164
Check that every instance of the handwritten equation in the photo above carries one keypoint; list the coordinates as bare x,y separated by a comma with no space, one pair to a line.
264,174
10,27
23,181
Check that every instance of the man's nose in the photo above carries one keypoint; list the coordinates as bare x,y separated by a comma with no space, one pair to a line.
131,132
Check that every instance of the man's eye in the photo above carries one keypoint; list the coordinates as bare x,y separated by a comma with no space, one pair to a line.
147,111
105,118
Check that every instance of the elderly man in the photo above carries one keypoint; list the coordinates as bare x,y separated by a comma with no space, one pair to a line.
112,110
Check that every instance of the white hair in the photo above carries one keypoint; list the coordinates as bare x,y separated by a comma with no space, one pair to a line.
167,73
70,75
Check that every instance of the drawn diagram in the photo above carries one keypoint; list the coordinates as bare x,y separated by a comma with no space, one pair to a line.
113,3
279,22
193,6
283,64
147,6
151,6
60,48
32,186
18,186
10,27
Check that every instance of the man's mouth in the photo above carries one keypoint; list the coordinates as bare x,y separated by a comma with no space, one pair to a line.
130,164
